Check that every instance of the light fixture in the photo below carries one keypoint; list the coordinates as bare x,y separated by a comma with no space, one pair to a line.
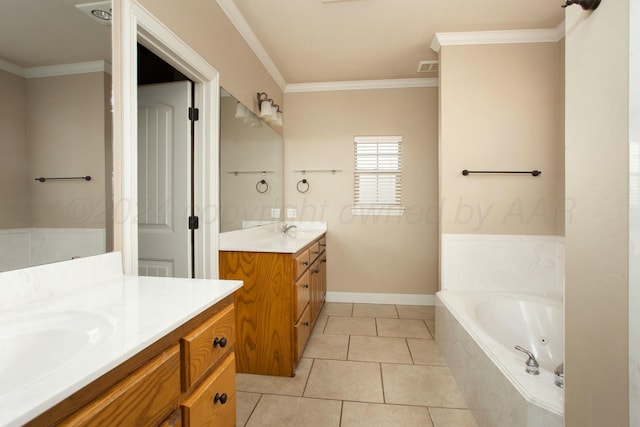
585,4
269,111
100,11
101,14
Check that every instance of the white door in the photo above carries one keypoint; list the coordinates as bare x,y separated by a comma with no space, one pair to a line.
164,180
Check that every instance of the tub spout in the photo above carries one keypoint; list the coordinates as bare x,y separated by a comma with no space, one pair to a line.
559,375
532,367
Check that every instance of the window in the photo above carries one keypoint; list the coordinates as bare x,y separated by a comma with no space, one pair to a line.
377,175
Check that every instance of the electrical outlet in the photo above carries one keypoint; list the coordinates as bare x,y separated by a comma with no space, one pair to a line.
275,213
291,213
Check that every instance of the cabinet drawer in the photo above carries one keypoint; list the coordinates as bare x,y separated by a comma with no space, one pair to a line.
302,293
202,348
301,262
314,251
322,243
214,402
302,332
140,399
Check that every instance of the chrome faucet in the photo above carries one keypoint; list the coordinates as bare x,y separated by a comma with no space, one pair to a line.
559,375
286,228
532,367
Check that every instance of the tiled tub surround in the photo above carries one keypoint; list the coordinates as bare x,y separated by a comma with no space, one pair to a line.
119,316
476,333
488,283
494,262
26,247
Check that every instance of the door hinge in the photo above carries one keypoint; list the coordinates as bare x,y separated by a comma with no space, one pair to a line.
193,223
194,114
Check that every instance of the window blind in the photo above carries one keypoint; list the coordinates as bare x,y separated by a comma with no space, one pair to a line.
378,172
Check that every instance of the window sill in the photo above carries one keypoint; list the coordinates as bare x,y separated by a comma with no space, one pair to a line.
378,211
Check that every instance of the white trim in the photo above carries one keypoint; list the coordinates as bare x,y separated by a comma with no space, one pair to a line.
233,13
68,69
369,298
139,25
361,85
545,35
56,70
381,211
11,68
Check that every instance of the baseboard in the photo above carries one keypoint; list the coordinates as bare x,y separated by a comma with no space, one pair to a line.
368,298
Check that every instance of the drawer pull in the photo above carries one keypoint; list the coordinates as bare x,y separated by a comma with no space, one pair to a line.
306,286
305,262
317,270
222,342
305,324
315,252
222,398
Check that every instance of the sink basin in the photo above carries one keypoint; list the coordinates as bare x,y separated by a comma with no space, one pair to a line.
33,347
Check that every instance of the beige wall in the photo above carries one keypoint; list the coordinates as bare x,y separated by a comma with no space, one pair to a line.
207,30
375,254
597,234
501,109
14,183
66,131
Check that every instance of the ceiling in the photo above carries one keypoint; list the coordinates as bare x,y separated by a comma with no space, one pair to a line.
304,41
50,32
313,41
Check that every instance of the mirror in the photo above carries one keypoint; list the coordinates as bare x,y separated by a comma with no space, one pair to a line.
55,122
251,168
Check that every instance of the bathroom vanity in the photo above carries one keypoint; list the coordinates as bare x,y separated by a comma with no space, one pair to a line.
89,346
284,277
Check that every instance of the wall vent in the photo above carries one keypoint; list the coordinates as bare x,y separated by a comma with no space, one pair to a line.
428,67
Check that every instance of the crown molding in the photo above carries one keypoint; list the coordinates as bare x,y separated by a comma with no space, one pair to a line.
233,13
56,70
545,35
360,85
11,68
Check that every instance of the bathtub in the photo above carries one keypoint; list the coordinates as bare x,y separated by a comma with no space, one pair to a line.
476,332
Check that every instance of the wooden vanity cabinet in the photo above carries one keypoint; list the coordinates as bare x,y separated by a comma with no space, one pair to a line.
186,378
278,305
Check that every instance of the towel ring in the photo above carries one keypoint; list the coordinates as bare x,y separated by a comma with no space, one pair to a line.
262,186
302,184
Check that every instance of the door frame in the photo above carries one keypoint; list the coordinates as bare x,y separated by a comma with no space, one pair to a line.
134,24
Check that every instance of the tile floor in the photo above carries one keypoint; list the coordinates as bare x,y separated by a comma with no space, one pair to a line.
364,365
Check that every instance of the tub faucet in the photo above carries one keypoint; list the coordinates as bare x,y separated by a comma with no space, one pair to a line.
559,375
532,367
286,228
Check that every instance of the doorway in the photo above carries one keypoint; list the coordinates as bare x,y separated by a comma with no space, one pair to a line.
166,136
137,25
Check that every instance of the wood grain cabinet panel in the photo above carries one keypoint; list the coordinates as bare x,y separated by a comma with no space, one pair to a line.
303,293
141,399
271,305
202,348
214,402
154,387
302,332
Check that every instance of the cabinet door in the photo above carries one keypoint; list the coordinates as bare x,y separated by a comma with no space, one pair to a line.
140,399
213,403
302,293
301,262
316,291
302,332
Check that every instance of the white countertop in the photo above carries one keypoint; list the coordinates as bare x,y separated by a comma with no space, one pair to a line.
270,238
125,314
